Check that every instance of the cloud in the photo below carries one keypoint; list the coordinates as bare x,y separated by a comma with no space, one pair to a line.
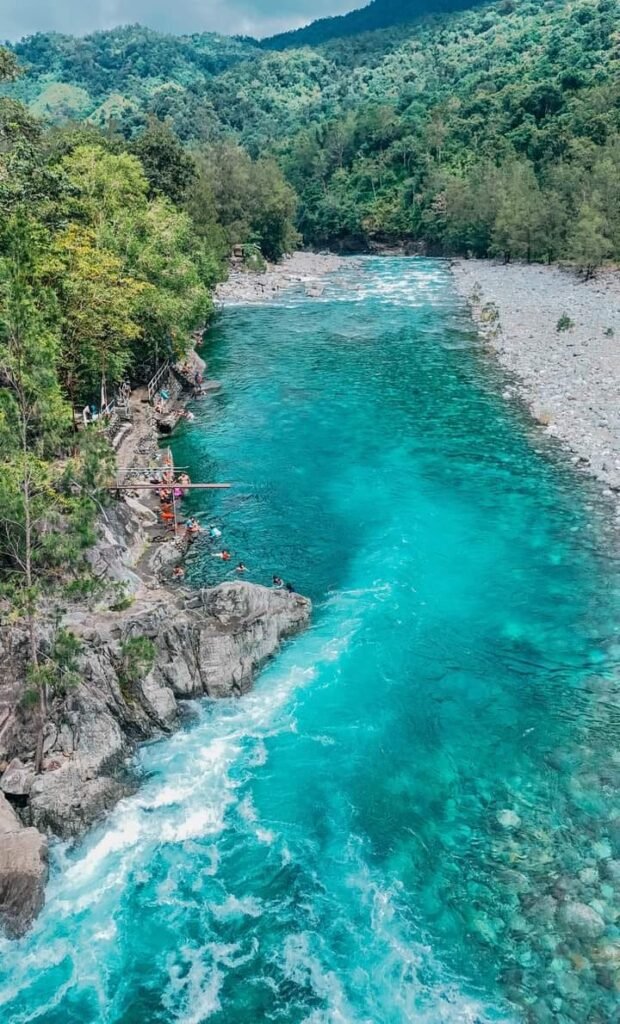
231,17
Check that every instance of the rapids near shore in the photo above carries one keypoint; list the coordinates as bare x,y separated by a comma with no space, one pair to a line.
415,815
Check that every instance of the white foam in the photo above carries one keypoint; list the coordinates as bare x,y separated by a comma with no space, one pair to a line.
198,990
234,906
266,836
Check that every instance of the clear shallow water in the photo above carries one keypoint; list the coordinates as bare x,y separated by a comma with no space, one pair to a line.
328,850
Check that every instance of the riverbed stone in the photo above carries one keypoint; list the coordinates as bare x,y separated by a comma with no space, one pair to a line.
508,819
589,876
610,870
543,909
580,920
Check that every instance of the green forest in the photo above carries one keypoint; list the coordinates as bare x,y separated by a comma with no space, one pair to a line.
492,130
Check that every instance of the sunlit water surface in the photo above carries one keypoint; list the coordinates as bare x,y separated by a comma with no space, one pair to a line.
386,829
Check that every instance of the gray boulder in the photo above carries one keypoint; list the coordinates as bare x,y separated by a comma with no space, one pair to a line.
23,872
17,779
611,871
67,800
243,627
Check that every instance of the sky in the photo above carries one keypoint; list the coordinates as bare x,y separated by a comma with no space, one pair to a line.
231,17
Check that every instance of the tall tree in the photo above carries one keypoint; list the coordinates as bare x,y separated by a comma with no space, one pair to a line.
519,226
169,168
587,243
33,415
99,305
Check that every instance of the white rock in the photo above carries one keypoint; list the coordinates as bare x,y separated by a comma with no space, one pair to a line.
508,819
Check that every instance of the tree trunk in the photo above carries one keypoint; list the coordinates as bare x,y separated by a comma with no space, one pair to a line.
28,545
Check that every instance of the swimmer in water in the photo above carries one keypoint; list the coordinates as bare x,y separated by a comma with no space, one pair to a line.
277,581
241,567
224,555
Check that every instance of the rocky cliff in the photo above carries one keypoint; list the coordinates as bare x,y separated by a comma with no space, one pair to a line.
206,643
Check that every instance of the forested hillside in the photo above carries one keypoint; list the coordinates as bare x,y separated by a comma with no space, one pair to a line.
119,74
378,14
493,130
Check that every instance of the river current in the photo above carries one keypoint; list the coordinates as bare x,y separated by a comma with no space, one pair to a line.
398,822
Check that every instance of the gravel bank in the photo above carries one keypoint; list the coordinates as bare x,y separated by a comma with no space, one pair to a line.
570,379
300,269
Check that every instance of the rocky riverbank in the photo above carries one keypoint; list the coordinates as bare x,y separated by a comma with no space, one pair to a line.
560,337
140,659
301,269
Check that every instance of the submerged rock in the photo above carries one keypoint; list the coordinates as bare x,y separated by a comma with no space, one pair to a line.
23,872
611,871
581,920
508,819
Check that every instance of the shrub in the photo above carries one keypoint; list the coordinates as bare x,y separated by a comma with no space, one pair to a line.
489,313
137,659
564,323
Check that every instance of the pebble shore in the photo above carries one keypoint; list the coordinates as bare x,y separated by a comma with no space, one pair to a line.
301,269
569,378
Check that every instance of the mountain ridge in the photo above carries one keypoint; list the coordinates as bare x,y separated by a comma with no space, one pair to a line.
378,14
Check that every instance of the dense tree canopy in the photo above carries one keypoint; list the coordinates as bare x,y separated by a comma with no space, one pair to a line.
493,129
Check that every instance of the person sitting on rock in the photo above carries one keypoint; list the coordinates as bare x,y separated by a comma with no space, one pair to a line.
178,573
192,529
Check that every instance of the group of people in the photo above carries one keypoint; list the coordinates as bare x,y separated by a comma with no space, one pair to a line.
172,489
193,377
193,529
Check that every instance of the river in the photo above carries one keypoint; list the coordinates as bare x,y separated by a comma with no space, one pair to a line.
397,824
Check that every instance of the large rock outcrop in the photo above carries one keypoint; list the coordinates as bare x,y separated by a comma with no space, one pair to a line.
206,643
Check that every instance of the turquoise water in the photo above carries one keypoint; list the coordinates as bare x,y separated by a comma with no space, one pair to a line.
336,847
